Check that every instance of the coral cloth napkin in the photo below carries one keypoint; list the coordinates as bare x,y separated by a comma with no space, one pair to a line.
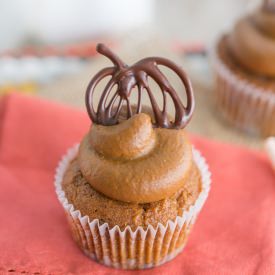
234,234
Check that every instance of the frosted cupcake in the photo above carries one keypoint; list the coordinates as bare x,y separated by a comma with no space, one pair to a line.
134,187
244,64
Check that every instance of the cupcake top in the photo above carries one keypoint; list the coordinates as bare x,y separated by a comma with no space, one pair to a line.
131,155
252,41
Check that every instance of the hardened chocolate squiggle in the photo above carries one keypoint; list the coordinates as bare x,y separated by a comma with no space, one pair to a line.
126,78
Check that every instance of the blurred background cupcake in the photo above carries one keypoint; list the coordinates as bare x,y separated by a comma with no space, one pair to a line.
244,64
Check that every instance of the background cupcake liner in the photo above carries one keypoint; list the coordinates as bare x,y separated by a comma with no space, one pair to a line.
126,248
245,105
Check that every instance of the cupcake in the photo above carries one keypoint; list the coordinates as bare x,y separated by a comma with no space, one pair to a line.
134,186
244,66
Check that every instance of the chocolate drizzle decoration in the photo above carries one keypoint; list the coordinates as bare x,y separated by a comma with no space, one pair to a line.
136,76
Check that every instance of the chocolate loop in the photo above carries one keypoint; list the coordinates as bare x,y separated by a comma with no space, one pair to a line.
127,78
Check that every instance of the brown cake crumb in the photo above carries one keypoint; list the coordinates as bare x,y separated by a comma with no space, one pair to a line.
97,206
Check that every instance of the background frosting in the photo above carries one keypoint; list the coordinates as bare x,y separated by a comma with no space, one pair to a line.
252,42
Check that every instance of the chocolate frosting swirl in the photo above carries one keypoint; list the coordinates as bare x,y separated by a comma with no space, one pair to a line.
126,78
135,162
252,41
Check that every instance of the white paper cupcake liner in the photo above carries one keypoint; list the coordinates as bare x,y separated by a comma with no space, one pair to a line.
241,102
128,249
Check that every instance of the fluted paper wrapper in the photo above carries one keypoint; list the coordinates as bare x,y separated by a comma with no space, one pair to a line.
128,249
242,103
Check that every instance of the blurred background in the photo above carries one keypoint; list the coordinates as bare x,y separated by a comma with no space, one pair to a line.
47,47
